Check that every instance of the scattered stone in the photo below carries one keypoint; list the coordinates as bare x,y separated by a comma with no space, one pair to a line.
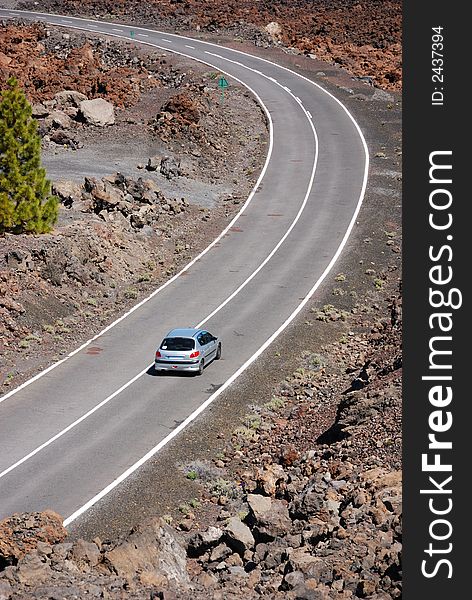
238,535
97,112
170,167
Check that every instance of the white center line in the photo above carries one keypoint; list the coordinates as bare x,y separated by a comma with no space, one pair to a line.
168,41
213,54
192,47
143,34
118,30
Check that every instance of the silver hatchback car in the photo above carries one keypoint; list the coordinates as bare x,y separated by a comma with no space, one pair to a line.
187,350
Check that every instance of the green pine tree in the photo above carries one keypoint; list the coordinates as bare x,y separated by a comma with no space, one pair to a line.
26,205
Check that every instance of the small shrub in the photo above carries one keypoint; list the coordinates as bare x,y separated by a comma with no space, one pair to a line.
246,433
131,293
184,509
252,421
33,338
275,403
8,379
200,470
378,283
223,487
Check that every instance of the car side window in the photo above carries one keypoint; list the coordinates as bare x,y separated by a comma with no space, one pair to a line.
201,339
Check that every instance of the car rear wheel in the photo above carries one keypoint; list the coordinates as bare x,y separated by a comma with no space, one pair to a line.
218,352
201,366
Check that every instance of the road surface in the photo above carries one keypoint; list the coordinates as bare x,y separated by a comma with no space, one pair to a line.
79,429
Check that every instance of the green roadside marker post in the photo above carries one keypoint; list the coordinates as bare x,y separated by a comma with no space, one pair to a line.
131,33
222,84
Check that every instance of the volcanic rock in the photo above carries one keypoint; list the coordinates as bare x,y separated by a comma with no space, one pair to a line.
20,534
97,112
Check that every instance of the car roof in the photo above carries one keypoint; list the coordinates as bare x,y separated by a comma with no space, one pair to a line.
184,332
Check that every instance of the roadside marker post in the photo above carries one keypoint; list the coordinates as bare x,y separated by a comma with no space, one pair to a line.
222,84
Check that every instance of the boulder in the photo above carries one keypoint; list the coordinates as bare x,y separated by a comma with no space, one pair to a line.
68,192
62,138
170,167
20,534
97,112
32,570
39,111
200,542
274,30
311,566
69,98
105,196
238,535
221,552
85,555
59,119
155,551
270,477
269,517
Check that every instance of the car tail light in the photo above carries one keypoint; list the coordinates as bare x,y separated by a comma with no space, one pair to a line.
158,354
195,354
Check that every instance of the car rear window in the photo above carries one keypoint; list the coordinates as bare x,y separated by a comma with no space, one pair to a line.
178,343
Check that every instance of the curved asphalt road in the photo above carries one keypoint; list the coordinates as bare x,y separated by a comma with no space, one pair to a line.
73,431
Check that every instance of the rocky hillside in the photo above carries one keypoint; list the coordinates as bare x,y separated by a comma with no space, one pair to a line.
290,509
363,37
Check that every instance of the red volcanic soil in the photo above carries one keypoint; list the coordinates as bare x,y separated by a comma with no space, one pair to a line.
363,37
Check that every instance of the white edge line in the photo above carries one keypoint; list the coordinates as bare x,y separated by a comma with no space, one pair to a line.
187,266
